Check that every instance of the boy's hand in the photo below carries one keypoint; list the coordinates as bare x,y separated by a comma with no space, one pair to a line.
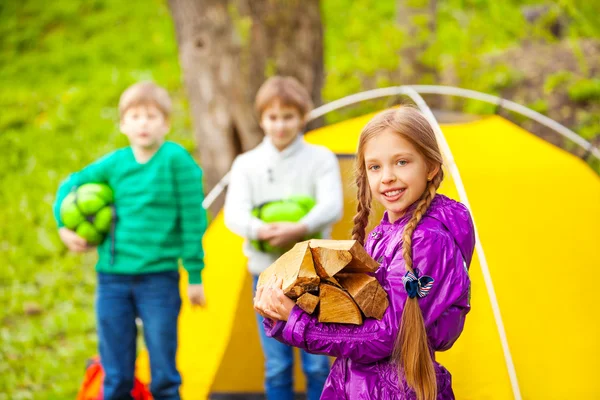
73,241
285,233
196,295
266,232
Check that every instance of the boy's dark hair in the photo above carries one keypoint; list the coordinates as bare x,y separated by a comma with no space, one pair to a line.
285,89
144,94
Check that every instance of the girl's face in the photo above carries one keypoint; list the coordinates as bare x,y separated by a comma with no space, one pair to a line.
396,171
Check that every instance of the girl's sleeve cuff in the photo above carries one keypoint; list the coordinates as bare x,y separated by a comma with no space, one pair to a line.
273,329
293,331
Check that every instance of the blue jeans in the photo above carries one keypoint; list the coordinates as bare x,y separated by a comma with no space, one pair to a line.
155,299
279,363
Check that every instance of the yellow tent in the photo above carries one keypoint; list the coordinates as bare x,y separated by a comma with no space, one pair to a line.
537,211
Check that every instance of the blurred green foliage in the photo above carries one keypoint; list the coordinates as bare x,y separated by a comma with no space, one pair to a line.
64,64
469,50
585,90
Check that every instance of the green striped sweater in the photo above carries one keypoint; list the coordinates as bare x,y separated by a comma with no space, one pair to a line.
160,218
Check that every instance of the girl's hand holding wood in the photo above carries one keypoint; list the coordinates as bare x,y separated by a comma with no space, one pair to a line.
271,302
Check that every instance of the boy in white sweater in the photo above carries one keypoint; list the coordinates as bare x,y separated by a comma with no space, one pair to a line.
283,165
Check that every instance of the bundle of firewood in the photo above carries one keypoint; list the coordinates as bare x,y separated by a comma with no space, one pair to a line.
330,277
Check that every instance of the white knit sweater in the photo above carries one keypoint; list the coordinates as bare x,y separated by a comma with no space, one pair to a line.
266,174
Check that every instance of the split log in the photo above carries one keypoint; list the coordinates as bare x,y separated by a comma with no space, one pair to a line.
378,305
332,256
362,288
336,305
296,269
308,302
329,262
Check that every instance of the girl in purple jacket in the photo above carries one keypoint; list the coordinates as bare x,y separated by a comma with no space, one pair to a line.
424,245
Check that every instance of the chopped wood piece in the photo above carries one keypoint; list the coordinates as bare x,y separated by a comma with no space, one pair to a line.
308,302
360,261
361,287
336,305
329,262
302,287
378,305
296,269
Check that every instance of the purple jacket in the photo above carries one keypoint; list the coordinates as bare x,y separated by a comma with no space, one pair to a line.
442,248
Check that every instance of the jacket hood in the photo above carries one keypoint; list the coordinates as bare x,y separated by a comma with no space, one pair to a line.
456,218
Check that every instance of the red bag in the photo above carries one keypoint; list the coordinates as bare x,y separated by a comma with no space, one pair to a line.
92,389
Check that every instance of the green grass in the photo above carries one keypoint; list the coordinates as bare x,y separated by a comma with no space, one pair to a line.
63,65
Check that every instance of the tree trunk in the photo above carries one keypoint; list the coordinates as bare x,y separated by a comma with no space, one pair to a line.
227,48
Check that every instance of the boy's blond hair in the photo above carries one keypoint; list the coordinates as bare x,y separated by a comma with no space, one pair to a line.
145,94
285,89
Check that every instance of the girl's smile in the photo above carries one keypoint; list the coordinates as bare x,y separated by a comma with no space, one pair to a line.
394,194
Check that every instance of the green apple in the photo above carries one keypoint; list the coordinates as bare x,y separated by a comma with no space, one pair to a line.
70,214
87,231
103,219
91,197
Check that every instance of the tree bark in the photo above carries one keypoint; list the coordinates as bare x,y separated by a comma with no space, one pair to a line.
227,48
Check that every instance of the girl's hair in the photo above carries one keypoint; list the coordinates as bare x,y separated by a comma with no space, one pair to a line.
285,89
411,350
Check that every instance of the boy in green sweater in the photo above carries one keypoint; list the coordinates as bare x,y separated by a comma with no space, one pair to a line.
160,219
